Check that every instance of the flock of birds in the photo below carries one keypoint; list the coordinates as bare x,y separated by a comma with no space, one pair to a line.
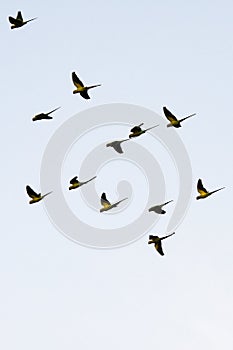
136,131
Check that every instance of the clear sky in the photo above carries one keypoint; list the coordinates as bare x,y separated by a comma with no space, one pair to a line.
56,294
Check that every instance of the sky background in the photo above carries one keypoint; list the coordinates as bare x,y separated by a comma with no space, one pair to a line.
56,294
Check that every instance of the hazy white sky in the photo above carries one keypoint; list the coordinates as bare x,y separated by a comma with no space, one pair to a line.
57,294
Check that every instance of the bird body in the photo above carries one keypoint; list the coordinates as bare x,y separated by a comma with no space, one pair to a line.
159,208
80,88
18,21
117,145
137,130
44,115
75,183
107,205
173,120
36,197
203,192
156,240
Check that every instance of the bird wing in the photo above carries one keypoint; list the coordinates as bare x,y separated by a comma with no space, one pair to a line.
19,16
136,129
12,20
31,193
169,115
201,189
104,202
158,247
85,95
74,180
117,147
77,82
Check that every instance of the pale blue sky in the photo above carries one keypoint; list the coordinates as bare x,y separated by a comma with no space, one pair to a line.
58,295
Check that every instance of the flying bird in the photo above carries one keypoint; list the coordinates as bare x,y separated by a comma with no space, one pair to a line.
80,88
44,115
117,145
203,192
75,183
36,197
107,205
18,21
137,130
173,120
157,241
158,208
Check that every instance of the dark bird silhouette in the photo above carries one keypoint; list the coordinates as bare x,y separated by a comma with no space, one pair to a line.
173,120
80,88
44,115
157,241
158,208
203,192
18,21
106,204
137,130
117,145
75,183
36,197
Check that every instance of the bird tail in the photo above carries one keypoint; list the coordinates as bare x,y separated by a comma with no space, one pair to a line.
152,127
93,86
90,179
217,190
46,194
189,116
32,19
167,236
53,111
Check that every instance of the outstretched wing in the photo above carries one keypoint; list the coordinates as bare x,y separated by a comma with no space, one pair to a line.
77,82
13,20
31,193
104,202
158,247
85,95
74,180
19,16
169,115
136,129
201,189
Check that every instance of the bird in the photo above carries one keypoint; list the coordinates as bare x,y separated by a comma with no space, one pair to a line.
137,130
44,115
157,241
36,197
158,208
117,145
107,205
203,192
173,120
75,183
18,21
80,88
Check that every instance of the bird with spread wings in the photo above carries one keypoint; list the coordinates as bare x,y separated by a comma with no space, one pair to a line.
137,130
18,21
203,192
173,120
80,88
75,183
106,205
45,116
36,197
157,241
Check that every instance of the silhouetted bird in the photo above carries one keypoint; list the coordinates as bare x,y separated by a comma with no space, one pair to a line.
157,242
44,115
203,192
158,208
18,21
173,120
80,88
137,130
36,197
75,183
117,145
107,205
